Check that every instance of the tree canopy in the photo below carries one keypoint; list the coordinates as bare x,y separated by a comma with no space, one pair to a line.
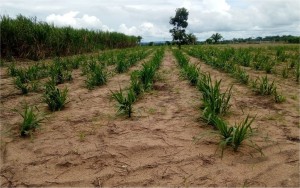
179,21
216,38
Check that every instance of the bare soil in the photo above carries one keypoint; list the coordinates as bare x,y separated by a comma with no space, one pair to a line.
88,144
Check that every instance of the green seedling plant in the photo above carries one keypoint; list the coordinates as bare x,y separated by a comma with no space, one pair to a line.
146,75
35,86
215,100
1,63
31,120
297,72
241,132
241,75
96,77
59,73
285,72
231,136
192,74
280,54
24,87
122,66
268,67
263,87
12,70
136,86
279,98
125,102
55,97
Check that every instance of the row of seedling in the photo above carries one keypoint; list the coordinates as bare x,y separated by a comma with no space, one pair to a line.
54,97
124,62
27,79
114,57
140,81
215,105
257,58
97,73
189,71
239,73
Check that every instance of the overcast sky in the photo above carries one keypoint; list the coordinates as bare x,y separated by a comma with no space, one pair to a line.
150,18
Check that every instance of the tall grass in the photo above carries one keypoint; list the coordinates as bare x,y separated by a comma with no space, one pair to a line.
26,37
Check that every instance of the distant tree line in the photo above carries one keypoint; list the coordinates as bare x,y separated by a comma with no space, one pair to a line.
217,39
25,37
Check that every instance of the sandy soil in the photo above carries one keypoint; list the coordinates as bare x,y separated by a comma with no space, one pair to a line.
87,144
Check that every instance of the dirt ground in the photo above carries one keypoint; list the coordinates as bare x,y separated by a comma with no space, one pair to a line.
87,144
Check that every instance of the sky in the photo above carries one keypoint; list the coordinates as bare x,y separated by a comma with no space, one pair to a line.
150,18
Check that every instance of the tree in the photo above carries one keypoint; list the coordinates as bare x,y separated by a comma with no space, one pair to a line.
139,39
191,39
180,23
209,41
216,37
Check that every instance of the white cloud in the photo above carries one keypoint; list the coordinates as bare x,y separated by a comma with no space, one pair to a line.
147,30
150,19
71,19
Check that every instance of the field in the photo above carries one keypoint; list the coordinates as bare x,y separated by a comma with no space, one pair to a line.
153,116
